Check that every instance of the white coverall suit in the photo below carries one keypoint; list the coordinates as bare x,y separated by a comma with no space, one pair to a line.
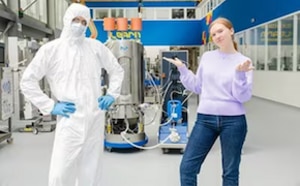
72,67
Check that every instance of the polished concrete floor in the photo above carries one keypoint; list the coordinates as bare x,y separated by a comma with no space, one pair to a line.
271,154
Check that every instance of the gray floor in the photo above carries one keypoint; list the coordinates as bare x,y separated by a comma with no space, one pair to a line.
271,155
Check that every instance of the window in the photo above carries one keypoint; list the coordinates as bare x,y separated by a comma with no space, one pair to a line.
131,13
286,38
148,13
100,13
177,13
117,13
190,14
261,38
38,10
162,13
272,45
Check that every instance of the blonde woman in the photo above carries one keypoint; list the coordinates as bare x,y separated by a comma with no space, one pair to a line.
224,82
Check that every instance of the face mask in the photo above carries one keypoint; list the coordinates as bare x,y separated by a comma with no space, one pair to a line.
77,29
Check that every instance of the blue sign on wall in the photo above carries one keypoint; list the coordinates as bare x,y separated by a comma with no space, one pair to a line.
159,32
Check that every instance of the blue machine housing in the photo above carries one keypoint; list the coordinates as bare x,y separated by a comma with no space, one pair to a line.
174,110
175,123
174,120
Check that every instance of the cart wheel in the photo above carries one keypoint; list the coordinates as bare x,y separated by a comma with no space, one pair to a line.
35,131
9,140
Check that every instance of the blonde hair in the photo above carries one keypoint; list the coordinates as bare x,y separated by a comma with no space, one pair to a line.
227,24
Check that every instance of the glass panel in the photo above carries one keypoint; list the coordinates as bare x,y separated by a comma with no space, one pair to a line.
131,12
43,11
177,13
37,10
272,45
30,11
117,13
198,13
249,47
60,8
148,13
162,13
207,7
260,48
214,3
190,14
100,13
211,5
286,58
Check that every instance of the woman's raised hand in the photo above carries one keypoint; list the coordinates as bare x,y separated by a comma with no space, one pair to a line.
245,66
177,62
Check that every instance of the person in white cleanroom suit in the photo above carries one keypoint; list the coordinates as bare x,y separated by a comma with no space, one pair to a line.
72,65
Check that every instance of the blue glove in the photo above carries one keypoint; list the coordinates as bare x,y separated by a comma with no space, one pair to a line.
63,109
104,102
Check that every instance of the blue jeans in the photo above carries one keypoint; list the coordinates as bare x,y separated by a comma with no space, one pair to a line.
232,132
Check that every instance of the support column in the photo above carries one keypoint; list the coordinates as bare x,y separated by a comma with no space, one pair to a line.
51,18
14,5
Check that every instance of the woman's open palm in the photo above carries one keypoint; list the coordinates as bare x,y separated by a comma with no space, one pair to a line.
175,61
245,66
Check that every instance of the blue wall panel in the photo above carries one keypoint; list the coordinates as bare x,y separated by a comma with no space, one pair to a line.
180,32
243,14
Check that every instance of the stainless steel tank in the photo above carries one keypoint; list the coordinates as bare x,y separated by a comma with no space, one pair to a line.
125,120
130,57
